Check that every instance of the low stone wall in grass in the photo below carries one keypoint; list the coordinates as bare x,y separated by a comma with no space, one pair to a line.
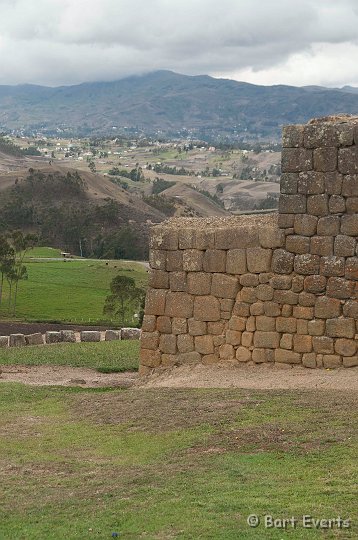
69,336
266,288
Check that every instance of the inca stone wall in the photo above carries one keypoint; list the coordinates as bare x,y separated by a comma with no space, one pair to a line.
270,288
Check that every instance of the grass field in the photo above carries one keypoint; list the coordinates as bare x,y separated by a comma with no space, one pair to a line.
71,291
174,464
105,356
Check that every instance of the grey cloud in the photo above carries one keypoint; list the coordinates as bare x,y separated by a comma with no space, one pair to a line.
69,41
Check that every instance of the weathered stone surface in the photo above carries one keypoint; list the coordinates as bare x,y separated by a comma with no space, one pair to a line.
224,286
282,261
322,134
227,352
4,341
296,160
204,344
164,325
352,205
321,245
326,308
52,337
168,343
271,237
311,183
207,308
232,337
149,358
36,339
214,261
307,264
185,343
350,309
193,260
340,288
305,225
196,239
351,361
292,204
344,246
155,302
88,336
292,136
69,336
236,237
328,225
110,335
149,323
348,160
179,304
150,340
323,344
267,340
309,360
332,266
345,347
350,186
352,268
317,205
157,259
158,279
287,357
285,221
199,283
174,261
163,238
286,297
298,244
260,356
130,333
344,328
316,327
178,281
325,159
179,325
336,204
349,225
331,361
333,183
315,284
236,261
243,354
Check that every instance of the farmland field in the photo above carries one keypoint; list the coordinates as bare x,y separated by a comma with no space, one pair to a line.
70,291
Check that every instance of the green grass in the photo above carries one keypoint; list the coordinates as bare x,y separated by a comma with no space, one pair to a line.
164,464
71,291
44,253
109,356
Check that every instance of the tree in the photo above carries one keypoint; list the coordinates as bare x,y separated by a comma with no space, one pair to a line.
125,298
21,244
7,261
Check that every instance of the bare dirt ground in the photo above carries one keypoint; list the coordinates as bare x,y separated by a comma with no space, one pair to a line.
259,377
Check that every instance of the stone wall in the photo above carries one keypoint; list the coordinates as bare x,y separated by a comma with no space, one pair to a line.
266,288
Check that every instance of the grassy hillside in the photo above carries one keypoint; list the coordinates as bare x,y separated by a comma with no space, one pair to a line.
71,291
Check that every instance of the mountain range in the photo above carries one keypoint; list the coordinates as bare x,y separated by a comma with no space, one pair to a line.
169,104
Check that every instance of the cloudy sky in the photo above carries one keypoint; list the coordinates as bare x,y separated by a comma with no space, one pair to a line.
302,42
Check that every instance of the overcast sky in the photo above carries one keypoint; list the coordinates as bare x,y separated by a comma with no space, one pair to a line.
302,42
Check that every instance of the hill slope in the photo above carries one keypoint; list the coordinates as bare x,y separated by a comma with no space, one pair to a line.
169,102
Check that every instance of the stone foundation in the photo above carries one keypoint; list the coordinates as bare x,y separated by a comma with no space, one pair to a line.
266,288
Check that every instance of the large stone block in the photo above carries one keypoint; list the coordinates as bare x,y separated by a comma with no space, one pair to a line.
289,183
197,328
204,344
168,344
287,357
131,333
292,136
34,339
346,347
333,183
349,225
298,244
259,260
155,302
332,266
307,264
311,183
340,288
267,340
236,261
320,134
214,260
185,343
292,204
315,284
199,283
178,281
207,308
110,335
179,304
341,328
336,204
51,337
149,358
317,205
157,259
296,160
179,325
149,323
323,344
236,237
193,260
328,226
350,309
305,225
224,286
4,341
352,268
325,159
350,185
348,160
164,325
150,340
271,237
189,358
89,336
158,279
321,245
344,246
326,308
174,261
163,238
282,261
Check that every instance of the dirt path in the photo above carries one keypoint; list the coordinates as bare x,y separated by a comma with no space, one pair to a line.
65,376
259,377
